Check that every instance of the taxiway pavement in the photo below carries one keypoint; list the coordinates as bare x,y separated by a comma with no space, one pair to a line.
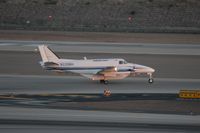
32,116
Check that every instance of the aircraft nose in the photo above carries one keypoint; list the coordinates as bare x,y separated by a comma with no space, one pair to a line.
151,70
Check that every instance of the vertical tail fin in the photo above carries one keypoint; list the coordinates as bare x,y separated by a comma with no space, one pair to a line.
47,54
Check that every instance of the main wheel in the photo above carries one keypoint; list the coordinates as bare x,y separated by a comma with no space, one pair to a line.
104,81
150,81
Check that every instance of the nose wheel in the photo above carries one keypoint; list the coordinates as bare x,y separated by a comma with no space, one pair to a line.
150,78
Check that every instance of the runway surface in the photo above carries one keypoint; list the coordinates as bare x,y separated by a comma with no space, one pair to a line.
169,60
177,67
166,66
74,84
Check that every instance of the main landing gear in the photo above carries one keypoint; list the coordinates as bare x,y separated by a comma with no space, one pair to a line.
150,78
104,82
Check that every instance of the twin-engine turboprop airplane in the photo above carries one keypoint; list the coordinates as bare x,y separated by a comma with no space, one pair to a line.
95,69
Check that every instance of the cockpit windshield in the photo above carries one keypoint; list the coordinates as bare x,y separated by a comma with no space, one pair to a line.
122,62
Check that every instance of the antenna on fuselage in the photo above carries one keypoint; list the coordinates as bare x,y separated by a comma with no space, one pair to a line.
85,58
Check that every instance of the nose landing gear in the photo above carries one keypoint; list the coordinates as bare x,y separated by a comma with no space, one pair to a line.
150,78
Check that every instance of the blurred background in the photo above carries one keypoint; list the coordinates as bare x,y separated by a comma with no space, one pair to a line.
174,16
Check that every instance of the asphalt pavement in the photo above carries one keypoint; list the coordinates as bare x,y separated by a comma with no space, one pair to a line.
30,84
177,67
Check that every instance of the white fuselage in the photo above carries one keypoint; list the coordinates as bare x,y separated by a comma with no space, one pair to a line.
93,66
95,69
